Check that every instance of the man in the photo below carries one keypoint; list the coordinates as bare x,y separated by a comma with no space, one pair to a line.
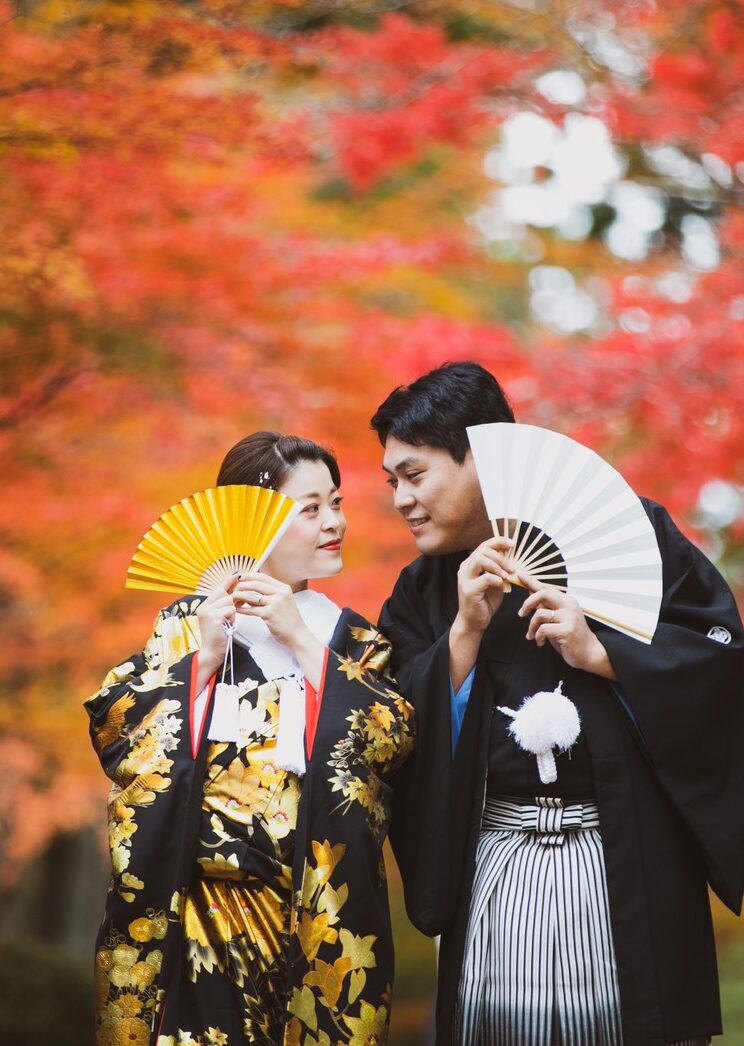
574,912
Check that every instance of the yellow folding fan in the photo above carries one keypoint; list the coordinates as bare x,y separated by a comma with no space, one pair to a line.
204,540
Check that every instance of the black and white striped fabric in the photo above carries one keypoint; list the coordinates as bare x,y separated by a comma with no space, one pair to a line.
539,966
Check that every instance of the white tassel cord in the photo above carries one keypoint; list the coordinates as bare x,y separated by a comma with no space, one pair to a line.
545,721
225,724
290,743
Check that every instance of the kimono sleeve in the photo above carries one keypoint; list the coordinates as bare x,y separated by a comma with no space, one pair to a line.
155,680
433,799
685,692
358,672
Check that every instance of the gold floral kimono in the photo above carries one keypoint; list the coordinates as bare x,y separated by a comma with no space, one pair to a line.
247,904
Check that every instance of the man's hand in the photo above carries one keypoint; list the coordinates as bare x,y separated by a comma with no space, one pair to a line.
480,583
480,592
559,620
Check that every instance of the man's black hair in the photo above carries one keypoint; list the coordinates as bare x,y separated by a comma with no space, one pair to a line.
436,409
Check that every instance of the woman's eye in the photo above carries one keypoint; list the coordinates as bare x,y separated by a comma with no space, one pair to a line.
337,502
310,509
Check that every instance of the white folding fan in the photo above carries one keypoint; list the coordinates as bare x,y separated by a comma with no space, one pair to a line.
205,539
575,522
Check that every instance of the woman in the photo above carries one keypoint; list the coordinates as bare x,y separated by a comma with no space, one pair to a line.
248,900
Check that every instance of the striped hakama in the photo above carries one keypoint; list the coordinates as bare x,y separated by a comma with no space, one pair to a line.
539,966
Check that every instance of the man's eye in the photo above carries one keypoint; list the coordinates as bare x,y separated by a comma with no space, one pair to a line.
411,476
392,482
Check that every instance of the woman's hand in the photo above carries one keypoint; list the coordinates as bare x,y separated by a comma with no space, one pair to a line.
260,595
558,619
213,614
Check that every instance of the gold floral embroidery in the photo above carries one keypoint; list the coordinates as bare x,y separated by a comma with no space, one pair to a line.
125,976
336,976
138,779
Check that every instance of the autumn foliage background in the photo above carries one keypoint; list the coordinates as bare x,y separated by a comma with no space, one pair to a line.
218,216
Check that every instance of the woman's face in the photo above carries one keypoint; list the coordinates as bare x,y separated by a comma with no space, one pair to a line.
311,548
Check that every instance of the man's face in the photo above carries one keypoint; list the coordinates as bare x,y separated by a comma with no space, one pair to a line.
439,499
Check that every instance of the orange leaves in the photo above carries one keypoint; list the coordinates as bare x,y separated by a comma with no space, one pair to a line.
212,225
410,88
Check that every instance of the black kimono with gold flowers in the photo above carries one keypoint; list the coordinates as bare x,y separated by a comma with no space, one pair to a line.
247,904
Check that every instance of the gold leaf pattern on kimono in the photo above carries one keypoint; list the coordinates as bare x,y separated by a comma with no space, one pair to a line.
332,901
302,1005
370,1027
139,778
219,867
405,711
366,635
352,669
340,989
327,857
215,1037
357,982
312,931
328,978
381,716
358,949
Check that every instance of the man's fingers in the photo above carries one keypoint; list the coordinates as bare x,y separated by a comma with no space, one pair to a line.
542,616
546,595
497,543
548,631
489,562
529,581
484,583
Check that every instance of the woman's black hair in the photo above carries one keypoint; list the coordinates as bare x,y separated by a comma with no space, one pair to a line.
436,409
265,459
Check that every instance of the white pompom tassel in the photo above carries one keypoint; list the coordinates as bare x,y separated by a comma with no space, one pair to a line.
545,721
